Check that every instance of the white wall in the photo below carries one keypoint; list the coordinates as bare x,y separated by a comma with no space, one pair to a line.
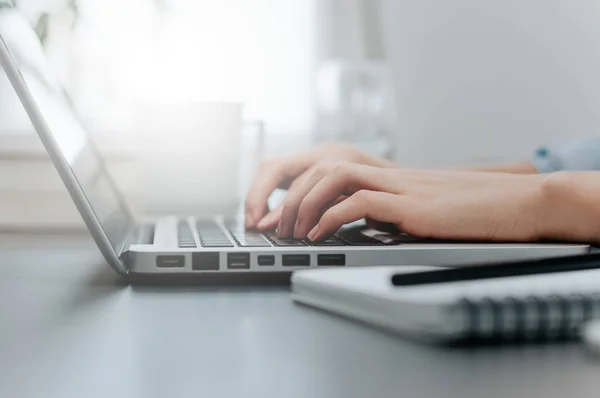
348,30
486,81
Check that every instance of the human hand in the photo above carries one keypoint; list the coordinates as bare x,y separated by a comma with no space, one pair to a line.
423,203
290,172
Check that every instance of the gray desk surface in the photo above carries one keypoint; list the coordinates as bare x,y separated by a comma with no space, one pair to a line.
70,328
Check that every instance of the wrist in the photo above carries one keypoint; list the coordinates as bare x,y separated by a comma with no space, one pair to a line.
568,207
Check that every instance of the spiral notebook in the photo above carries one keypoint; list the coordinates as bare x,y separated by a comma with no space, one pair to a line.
544,307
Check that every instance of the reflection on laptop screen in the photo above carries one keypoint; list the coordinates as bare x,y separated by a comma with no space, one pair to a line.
71,138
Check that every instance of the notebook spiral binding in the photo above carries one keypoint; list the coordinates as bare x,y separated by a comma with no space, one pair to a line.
553,317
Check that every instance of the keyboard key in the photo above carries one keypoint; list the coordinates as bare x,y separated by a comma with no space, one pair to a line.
399,238
253,244
354,237
248,238
284,242
211,235
185,238
218,244
332,241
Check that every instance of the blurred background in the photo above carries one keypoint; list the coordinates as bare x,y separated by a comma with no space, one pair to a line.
428,83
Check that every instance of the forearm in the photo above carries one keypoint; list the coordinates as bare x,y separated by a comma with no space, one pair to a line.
570,207
515,168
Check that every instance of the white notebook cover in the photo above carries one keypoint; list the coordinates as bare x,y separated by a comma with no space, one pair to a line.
429,311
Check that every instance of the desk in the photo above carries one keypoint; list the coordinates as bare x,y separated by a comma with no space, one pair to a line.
70,328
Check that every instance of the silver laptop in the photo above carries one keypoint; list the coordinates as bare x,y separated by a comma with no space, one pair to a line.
185,245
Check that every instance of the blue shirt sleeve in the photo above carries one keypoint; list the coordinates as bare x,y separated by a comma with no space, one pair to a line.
578,156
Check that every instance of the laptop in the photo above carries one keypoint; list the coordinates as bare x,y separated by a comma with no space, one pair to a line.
217,248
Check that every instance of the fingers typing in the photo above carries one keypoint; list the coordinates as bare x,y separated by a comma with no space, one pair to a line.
381,206
343,179
271,175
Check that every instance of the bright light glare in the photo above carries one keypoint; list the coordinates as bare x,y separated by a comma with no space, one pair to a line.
258,52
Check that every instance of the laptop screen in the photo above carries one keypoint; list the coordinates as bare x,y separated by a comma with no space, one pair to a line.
71,139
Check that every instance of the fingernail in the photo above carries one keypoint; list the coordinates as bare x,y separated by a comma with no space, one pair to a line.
265,221
262,223
314,233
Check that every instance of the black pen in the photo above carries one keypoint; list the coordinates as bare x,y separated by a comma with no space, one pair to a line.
500,270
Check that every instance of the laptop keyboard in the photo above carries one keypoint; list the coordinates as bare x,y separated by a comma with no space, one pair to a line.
246,238
284,242
211,235
185,237
332,241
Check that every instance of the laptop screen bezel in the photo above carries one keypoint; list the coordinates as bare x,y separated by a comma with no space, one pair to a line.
61,164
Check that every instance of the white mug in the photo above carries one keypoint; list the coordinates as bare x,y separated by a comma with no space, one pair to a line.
190,157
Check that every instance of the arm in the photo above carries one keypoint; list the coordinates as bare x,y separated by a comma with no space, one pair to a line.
571,206
461,205
297,173
576,156
515,168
